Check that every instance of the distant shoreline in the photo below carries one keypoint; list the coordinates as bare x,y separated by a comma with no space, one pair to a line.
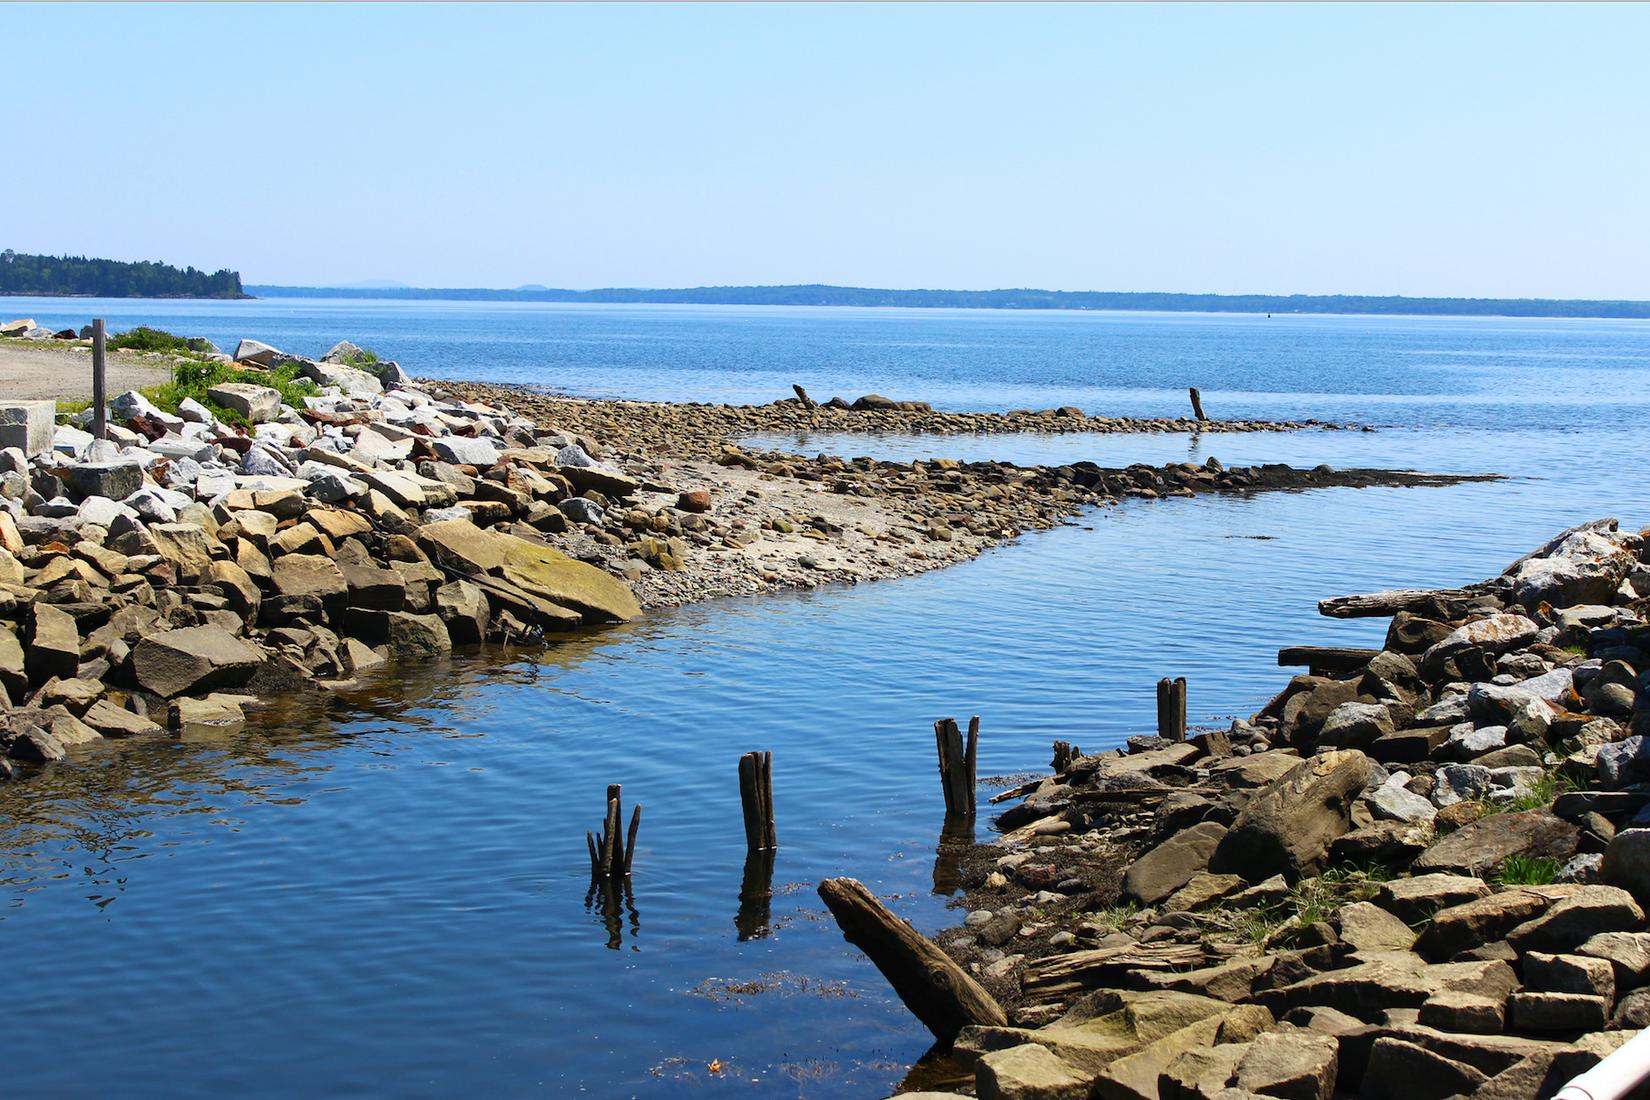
1033,300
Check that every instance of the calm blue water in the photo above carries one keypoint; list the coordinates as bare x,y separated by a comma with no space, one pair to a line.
391,898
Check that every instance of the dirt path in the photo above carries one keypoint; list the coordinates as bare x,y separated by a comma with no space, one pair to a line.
29,373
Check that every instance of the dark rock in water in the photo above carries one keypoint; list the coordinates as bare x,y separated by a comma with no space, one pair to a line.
1288,827
193,659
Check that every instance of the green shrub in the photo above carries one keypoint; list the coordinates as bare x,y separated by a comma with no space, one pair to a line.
366,357
144,338
1529,871
193,379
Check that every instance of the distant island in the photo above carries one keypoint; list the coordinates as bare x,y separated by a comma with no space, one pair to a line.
820,295
80,277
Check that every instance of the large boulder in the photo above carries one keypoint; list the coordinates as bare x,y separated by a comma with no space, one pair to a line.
1287,828
1028,1072
193,659
1584,565
53,649
258,404
353,383
1481,847
28,425
541,571
461,546
1170,865
258,354
116,480
187,547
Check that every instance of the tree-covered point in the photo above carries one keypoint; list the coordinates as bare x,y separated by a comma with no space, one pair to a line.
80,277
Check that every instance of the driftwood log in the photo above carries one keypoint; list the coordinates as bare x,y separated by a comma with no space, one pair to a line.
1326,658
1197,405
937,991
1374,604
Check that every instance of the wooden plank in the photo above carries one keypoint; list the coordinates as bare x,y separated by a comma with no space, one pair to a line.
937,991
100,381
1326,658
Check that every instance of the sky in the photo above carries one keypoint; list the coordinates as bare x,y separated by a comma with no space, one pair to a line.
1482,151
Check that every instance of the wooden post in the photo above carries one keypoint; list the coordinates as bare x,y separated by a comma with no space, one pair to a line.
802,396
756,800
1197,405
937,991
1171,708
611,855
1179,712
957,764
100,383
1064,753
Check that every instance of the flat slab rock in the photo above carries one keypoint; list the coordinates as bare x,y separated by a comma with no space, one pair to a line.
1482,846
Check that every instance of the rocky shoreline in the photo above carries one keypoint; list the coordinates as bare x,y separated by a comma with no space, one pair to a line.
1420,872
208,555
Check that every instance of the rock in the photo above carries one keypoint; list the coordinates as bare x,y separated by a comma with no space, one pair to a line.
186,547
1199,1074
1355,725
1582,566
344,354
581,510
463,451
1459,783
461,546
551,575
1416,898
76,695
1288,827
1298,1065
1393,801
1627,952
193,659
1390,843
1028,1072
1202,890
1467,742
1484,845
1464,1012
53,649
1399,1070
352,382
258,404
1172,864
1627,863
1482,920
1369,928
115,480
696,501
310,575
258,354
112,721
1570,974
214,710
1573,920
28,425
1136,1076
1626,761
463,607
1563,1012
1632,1012
411,636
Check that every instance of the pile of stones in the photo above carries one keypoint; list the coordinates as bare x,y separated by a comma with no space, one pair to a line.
1423,876
181,568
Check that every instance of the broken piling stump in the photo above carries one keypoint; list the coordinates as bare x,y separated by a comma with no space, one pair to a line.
756,800
957,774
1171,708
937,991
609,857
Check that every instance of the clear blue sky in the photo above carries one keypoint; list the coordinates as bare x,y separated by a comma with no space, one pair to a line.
1481,151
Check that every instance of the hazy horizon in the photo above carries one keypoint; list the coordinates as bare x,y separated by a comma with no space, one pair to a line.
1475,152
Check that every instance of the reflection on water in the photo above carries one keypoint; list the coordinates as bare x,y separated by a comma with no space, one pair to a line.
613,900
755,896
957,837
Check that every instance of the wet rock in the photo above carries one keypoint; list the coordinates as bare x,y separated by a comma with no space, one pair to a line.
192,659
463,607
1288,827
112,721
414,636
1028,1072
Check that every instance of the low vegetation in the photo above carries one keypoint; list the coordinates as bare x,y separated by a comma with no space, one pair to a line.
1528,871
194,379
144,338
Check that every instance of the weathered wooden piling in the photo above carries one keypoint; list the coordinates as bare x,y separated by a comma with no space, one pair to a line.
1197,405
802,396
1064,753
1171,708
756,799
100,381
609,858
957,775
937,991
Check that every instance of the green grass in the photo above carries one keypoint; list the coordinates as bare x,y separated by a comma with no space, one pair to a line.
193,379
66,409
144,338
1541,794
1528,871
365,358
1309,901
1116,918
